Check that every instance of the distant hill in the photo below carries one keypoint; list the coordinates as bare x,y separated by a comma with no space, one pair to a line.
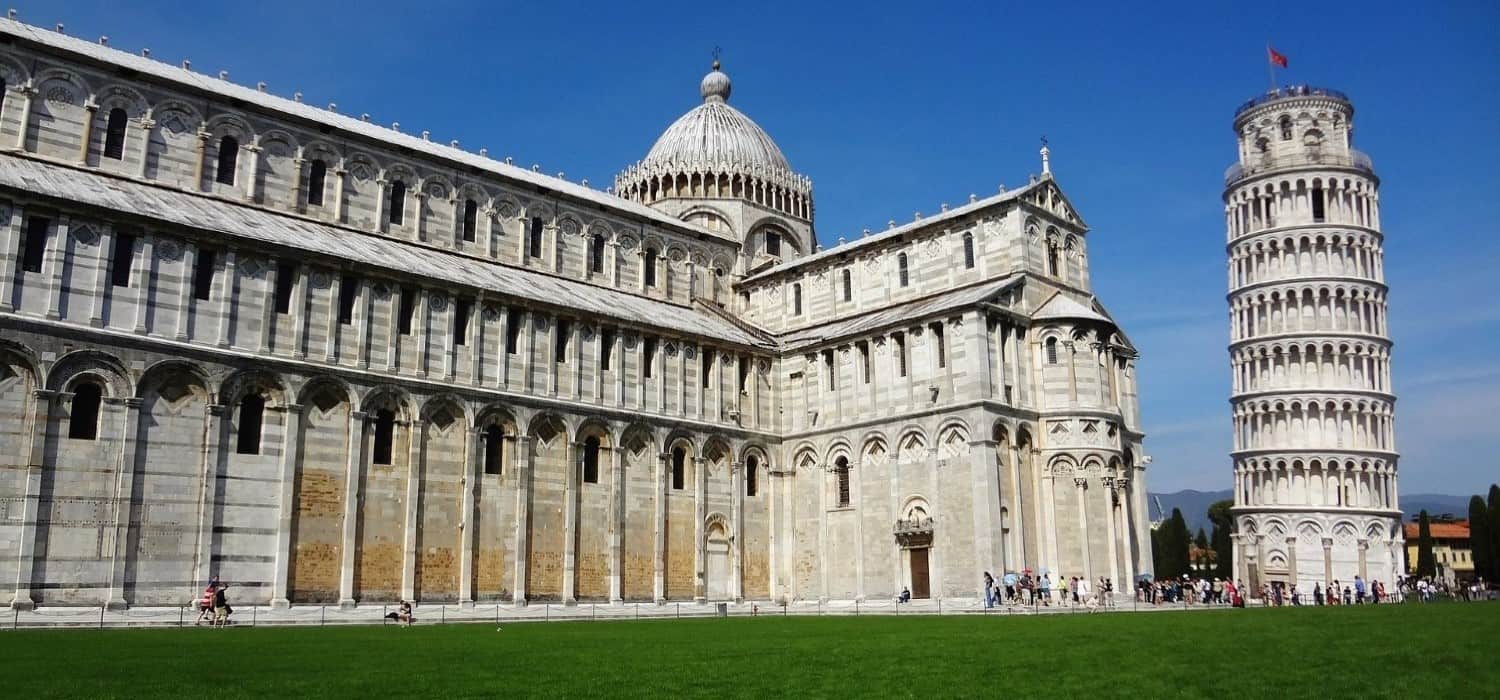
1194,505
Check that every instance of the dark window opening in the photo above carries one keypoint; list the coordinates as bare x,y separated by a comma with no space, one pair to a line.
512,332
679,467
596,255
752,476
968,251
534,239
848,286
385,436
121,260
461,312
841,473
36,244
114,134
942,344
348,292
901,269
494,450
203,274
1052,260
773,243
83,420
650,271
1317,204
560,341
471,219
744,373
229,155
1052,351
900,340
407,311
591,460
286,280
648,349
796,299
828,369
864,361
1286,128
316,174
396,203
252,417
705,372
606,348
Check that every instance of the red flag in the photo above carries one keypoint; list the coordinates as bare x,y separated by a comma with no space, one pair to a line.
1277,58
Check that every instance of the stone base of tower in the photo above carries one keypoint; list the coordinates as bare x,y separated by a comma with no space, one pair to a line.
1314,548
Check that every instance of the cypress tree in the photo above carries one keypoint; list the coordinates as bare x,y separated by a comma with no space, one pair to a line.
1426,563
1493,521
1178,539
1220,540
1201,542
1480,541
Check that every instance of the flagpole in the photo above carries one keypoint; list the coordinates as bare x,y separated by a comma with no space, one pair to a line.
1270,67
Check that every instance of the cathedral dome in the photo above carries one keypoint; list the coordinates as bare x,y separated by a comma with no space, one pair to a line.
715,151
714,134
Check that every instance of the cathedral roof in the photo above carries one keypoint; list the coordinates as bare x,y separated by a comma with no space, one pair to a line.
900,313
714,134
311,240
1062,306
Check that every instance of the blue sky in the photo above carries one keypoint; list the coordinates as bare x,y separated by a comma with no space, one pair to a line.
896,108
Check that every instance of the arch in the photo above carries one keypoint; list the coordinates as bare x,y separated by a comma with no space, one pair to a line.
81,363
389,396
836,448
320,389
167,368
238,383
915,507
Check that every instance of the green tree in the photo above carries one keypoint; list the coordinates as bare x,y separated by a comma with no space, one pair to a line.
1493,520
1201,542
1480,541
1426,563
1219,539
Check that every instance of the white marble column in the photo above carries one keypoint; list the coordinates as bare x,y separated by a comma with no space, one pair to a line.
208,482
617,524
124,495
570,524
416,434
43,407
467,530
659,582
286,503
352,467
522,469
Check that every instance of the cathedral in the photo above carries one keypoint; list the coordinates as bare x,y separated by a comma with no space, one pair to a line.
338,363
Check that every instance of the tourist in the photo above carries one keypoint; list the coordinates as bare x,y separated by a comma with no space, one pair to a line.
1317,594
403,614
989,591
206,602
1359,590
1046,588
222,611
1083,594
1333,593
905,596
1348,596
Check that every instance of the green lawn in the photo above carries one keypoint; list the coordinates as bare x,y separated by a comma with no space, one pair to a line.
1440,650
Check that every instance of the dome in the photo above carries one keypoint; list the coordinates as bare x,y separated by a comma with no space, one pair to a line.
715,135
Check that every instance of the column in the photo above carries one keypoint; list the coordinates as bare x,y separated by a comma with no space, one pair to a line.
382,195
357,440
1049,521
286,500
299,167
213,432
1327,560
659,584
1240,557
737,535
145,124
570,524
1364,551
987,502
617,524
90,109
1018,519
24,119
143,267
252,164
1291,560
299,310
1083,526
475,456
339,175
419,209
1110,496
53,262
10,235
522,469
700,513
416,436
200,153
103,289
1128,584
124,493
227,298
43,402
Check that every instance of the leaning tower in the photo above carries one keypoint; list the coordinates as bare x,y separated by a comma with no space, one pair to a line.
1314,443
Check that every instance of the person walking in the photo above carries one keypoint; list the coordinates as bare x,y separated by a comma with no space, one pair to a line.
989,591
1359,590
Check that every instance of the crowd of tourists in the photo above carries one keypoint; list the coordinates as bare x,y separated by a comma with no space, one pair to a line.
1027,589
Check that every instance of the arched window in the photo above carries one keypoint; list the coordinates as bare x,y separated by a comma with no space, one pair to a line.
591,460
396,204
968,251
752,476
1286,128
679,467
901,269
797,299
534,238
596,255
1052,259
650,269
316,174
229,155
114,134
252,417
848,286
1052,351
385,434
773,243
841,476
494,449
471,219
83,420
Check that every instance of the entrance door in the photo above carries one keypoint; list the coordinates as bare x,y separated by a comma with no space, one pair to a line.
718,563
919,584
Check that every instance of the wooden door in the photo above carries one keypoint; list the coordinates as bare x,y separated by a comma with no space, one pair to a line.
919,584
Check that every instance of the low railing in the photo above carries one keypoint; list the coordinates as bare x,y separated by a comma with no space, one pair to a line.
1290,91
1353,159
